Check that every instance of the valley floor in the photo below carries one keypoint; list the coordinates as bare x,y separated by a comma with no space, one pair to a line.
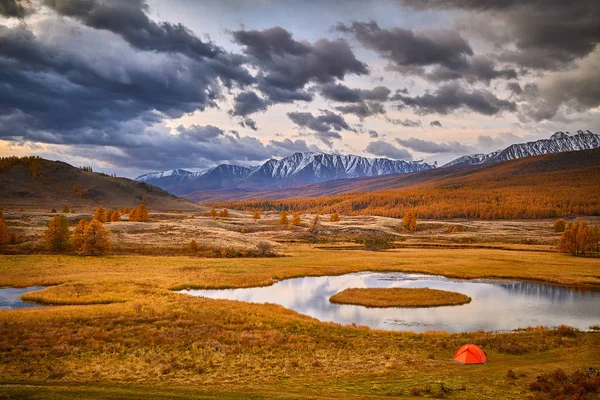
147,341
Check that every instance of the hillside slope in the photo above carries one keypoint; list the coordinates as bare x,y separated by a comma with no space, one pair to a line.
39,184
543,186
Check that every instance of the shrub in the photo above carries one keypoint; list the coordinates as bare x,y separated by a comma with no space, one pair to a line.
96,239
193,246
559,225
53,211
56,236
65,209
3,233
283,218
334,217
377,242
264,248
224,213
256,215
213,213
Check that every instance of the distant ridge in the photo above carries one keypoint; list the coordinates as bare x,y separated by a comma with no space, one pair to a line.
297,169
557,143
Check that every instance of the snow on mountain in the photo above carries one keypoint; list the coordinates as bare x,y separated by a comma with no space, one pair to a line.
297,169
557,143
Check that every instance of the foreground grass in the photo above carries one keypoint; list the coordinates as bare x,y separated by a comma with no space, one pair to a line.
151,342
399,297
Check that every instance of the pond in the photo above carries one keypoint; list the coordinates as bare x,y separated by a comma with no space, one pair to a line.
495,306
10,298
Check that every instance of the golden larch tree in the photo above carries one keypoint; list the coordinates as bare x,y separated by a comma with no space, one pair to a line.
296,219
96,239
256,215
100,214
283,218
3,233
56,236
115,216
409,221
213,213
334,217
224,213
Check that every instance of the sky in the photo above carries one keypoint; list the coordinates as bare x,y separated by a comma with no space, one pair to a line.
134,86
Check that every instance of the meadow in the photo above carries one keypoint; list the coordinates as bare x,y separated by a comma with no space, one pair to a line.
123,331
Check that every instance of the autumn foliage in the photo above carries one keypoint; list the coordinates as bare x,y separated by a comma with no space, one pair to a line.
139,214
56,236
580,239
3,233
283,218
95,240
296,219
409,221
256,215
335,217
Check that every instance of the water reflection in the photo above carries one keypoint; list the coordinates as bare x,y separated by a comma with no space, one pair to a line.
495,305
11,297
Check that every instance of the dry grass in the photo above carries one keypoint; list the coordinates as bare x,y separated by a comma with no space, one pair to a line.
151,342
399,297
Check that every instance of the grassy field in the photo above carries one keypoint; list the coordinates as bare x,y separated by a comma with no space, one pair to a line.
399,297
127,334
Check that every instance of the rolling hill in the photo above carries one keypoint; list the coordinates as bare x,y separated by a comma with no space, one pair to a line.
36,184
533,187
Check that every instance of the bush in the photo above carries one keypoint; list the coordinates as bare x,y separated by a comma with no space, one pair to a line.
256,215
65,209
335,217
377,242
193,246
296,219
559,225
264,248
3,233
56,236
283,218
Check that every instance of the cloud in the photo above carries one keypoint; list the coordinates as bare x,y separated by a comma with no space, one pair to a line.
544,34
436,55
574,90
344,94
452,96
486,143
14,9
288,146
425,146
435,123
247,103
385,149
323,123
287,66
407,123
362,110
373,134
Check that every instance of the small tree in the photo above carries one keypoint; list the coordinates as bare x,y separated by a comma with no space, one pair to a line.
578,239
334,217
559,225
125,210
314,229
224,213
65,209
256,215
139,214
56,236
76,189
213,213
96,239
193,246
243,230
100,214
296,219
283,218
409,221
108,216
53,211
115,216
78,234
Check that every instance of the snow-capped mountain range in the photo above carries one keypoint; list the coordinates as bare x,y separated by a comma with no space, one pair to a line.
297,169
557,143
312,167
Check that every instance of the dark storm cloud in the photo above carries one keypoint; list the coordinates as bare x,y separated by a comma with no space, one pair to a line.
514,87
385,149
14,8
451,97
65,89
373,134
362,110
435,123
547,34
289,146
287,66
425,146
325,126
441,55
344,94
247,103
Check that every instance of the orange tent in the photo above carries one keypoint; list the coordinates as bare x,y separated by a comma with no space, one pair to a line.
470,354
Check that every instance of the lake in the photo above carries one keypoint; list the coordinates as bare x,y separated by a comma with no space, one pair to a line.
496,305
11,297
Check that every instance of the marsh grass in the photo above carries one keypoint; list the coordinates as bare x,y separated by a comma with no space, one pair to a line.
399,297
151,338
